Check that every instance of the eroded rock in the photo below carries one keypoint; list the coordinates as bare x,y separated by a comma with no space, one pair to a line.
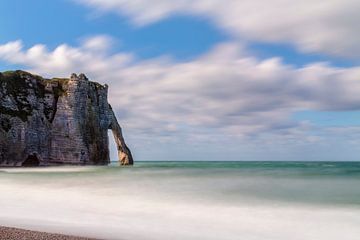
56,121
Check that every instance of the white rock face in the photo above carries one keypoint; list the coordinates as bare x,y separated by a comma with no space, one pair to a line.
56,121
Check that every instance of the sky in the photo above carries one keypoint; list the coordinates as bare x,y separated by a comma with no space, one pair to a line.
205,79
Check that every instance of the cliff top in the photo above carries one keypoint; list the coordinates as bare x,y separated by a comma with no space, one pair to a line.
20,74
19,85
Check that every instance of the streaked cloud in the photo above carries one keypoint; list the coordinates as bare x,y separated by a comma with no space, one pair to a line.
328,27
226,92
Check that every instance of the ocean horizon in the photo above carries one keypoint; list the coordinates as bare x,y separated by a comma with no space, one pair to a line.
187,200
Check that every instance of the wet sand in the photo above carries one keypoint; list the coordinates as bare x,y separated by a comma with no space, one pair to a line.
20,234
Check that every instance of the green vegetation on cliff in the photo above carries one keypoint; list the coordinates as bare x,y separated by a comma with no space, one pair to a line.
18,85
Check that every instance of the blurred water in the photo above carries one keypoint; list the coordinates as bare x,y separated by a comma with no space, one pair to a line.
187,200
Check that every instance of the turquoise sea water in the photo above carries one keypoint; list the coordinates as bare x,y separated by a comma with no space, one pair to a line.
187,200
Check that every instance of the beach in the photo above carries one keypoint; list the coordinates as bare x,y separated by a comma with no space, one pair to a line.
21,234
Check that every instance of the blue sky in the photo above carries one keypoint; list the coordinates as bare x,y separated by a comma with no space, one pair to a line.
205,81
61,21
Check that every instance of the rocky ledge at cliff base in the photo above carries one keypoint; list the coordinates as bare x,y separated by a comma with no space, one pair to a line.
56,121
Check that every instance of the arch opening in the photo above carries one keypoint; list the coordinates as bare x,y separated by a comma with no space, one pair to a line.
31,161
113,152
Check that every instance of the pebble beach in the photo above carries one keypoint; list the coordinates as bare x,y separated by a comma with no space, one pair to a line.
7,233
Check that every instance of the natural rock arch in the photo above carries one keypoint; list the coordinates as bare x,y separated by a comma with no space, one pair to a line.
64,120
124,154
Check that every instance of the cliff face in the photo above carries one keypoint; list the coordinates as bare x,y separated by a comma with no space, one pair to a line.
56,121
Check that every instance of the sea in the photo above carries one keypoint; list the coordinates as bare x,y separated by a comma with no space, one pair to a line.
187,200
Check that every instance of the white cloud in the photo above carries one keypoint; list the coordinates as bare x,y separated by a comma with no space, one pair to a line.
223,95
329,27
99,43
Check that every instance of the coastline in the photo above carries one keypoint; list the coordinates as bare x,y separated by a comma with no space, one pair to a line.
17,233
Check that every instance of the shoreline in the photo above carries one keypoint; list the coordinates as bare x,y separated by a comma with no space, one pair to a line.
23,234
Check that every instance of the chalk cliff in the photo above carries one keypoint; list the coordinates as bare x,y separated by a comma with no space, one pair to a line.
56,121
